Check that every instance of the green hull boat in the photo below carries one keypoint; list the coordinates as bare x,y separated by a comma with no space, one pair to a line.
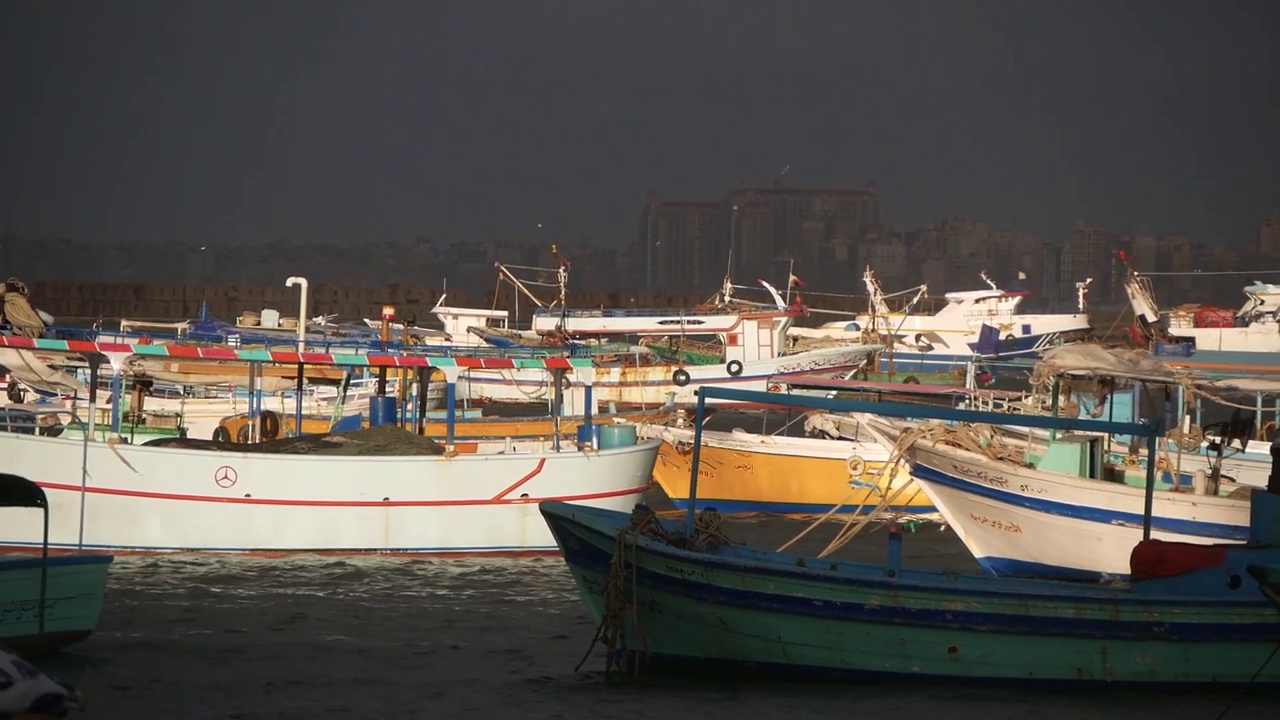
735,610
46,603
75,590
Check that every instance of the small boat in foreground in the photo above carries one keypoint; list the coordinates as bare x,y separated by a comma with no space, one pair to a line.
46,603
741,609
685,597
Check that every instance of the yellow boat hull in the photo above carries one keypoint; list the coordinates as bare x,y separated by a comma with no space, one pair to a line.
740,481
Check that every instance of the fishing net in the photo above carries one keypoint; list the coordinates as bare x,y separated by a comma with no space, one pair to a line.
381,440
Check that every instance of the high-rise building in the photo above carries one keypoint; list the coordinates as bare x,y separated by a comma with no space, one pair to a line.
685,244
688,245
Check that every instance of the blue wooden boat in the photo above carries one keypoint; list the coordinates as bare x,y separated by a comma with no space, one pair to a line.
683,597
46,603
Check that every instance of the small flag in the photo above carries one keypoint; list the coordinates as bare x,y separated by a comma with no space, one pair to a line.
794,281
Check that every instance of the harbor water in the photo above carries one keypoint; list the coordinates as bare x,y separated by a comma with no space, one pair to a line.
196,637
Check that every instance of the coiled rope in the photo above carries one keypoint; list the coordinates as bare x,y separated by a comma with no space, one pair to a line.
17,310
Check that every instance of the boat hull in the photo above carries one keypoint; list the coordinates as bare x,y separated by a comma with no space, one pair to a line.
1019,521
73,601
740,611
745,473
928,344
1228,363
160,499
649,385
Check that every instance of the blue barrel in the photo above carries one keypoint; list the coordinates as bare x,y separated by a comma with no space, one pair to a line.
588,441
617,436
382,411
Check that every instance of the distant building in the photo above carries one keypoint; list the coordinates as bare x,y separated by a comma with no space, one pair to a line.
771,226
685,244
1090,253
1269,236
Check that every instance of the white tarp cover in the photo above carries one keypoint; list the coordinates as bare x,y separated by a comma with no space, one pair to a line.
1246,385
1098,361
33,372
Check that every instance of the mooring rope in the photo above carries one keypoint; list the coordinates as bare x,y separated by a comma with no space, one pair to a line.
621,585
980,439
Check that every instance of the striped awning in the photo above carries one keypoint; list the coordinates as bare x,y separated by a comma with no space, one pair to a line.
389,360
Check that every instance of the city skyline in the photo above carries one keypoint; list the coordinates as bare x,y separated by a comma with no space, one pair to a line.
314,122
828,236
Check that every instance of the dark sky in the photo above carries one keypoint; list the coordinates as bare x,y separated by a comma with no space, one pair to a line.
341,121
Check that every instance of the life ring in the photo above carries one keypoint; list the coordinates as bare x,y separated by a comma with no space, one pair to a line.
857,466
922,343
1010,340
911,380
733,367
680,377
565,382
775,387
268,425
221,434
242,435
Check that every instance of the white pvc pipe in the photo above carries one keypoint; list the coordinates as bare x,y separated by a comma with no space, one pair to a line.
302,310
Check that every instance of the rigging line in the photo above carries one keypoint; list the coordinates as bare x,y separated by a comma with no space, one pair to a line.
1214,272
838,295
532,267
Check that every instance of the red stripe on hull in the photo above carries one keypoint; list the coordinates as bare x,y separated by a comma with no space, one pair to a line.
344,503
274,554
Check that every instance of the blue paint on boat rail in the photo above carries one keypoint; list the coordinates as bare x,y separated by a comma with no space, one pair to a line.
27,562
1150,429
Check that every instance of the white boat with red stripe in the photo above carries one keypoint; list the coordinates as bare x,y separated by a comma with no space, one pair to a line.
136,498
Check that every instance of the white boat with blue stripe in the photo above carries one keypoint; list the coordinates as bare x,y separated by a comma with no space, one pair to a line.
975,323
1064,516
1059,505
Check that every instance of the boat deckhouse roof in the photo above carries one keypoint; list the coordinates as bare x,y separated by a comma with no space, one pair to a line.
377,360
